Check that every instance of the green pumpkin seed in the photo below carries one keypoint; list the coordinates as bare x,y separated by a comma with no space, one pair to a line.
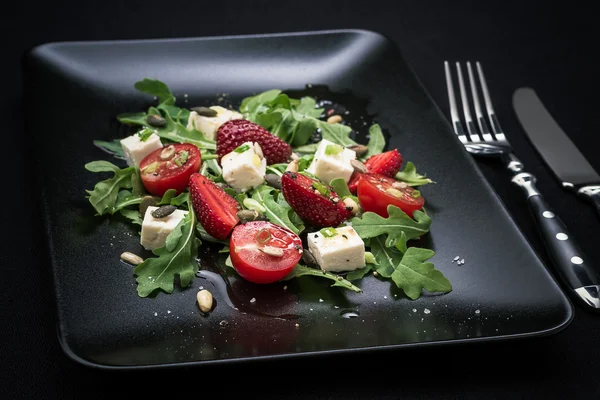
250,215
163,211
273,180
147,201
359,149
155,120
204,111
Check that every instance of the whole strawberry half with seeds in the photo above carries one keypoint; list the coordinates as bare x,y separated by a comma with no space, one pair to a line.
239,131
216,210
387,163
316,203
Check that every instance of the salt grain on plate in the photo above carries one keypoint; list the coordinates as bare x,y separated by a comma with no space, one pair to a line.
252,300
426,311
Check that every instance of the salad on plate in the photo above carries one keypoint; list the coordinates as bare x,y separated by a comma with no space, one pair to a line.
279,184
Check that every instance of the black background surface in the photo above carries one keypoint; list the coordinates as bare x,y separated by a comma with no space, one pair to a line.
551,48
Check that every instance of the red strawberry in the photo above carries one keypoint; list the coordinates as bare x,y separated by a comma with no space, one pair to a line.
238,131
304,195
215,209
387,164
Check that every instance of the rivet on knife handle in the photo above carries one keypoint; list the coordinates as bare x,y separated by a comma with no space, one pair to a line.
570,262
592,194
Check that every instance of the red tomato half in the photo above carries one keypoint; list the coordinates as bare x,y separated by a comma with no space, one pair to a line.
376,192
170,167
262,252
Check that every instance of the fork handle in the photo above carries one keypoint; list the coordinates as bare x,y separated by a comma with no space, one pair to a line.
573,267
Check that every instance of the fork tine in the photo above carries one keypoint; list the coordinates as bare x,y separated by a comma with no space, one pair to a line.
496,129
483,126
456,124
473,135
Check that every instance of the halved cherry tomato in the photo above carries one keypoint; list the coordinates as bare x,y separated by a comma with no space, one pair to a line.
262,252
170,167
376,192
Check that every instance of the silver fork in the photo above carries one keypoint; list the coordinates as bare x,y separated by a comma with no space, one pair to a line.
580,278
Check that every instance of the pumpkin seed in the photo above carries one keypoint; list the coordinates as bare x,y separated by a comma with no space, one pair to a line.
163,211
147,201
131,258
358,166
334,119
359,149
155,120
205,111
205,300
250,215
273,180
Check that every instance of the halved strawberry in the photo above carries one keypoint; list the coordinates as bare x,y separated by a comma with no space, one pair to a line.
387,163
316,203
238,131
215,209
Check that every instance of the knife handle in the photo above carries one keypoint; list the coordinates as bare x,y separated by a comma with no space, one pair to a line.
591,193
572,265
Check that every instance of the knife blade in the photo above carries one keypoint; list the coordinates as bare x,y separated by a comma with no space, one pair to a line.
556,148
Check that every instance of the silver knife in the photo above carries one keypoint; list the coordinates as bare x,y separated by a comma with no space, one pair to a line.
558,151
576,174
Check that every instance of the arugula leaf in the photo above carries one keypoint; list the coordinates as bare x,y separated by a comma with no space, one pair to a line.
413,274
125,198
304,129
308,107
411,177
132,215
209,238
104,195
371,225
156,88
277,210
308,149
292,120
176,258
336,133
376,142
251,105
340,187
387,257
176,132
138,118
178,114
113,147
301,270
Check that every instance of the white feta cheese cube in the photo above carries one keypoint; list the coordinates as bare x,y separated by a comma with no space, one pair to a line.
135,150
210,125
344,251
332,161
245,167
156,230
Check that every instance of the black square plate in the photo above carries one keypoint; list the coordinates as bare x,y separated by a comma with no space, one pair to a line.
74,91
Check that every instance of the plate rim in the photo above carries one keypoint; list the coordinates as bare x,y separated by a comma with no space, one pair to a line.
39,49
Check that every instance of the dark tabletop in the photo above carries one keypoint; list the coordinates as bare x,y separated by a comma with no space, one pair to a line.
548,47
